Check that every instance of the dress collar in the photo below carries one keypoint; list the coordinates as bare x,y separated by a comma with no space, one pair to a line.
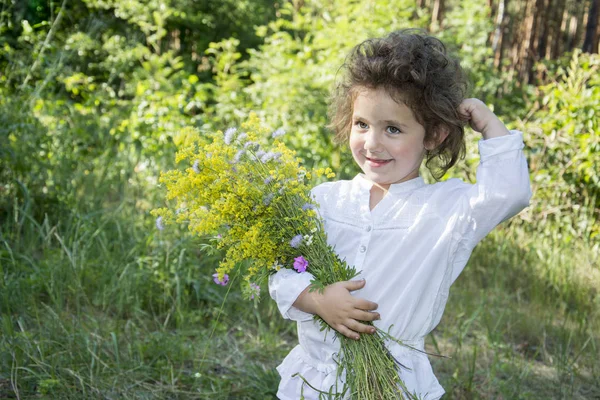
395,188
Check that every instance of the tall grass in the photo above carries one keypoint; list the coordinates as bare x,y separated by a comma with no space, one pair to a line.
101,305
523,321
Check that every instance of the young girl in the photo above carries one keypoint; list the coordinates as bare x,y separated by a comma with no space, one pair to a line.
402,101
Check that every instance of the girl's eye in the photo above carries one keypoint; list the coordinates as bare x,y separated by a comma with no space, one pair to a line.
394,130
361,125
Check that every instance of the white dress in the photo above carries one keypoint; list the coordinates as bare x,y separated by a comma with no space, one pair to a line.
410,248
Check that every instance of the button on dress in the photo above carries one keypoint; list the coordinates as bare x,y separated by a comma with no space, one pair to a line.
410,248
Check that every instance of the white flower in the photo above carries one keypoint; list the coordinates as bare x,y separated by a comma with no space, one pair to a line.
308,240
276,266
229,134
160,225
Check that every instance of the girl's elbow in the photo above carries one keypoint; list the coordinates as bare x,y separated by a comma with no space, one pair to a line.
520,199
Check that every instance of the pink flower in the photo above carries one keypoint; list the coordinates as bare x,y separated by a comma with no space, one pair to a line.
254,290
300,264
219,282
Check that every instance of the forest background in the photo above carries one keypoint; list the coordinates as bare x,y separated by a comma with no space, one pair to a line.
95,96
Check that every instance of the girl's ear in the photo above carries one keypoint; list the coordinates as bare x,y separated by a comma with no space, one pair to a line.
441,133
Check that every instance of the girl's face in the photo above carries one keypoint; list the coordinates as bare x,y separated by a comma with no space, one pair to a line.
386,140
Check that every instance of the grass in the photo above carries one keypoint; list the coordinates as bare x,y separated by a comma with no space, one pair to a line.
100,305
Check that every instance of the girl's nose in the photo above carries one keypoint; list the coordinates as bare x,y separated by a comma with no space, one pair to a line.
372,142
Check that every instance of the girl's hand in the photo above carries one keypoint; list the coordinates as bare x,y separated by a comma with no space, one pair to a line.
339,308
482,119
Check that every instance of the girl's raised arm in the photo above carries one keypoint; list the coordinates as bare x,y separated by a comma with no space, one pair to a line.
502,189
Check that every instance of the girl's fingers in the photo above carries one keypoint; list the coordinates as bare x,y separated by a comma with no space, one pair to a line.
366,305
347,332
353,285
360,315
358,327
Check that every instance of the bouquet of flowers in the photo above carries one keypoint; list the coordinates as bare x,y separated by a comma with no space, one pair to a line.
247,189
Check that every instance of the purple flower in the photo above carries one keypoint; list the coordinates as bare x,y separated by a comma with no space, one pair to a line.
268,199
242,136
270,156
266,157
251,144
300,264
160,225
195,167
296,241
238,156
228,136
254,290
308,206
277,133
219,282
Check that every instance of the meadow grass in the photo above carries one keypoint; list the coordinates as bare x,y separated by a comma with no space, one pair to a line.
101,305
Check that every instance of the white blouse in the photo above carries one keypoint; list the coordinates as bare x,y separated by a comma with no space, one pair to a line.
410,248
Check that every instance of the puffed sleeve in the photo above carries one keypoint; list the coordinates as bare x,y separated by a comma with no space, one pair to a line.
502,190
284,287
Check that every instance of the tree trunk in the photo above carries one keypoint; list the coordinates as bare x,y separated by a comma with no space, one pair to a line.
528,43
591,30
437,15
571,28
497,40
561,25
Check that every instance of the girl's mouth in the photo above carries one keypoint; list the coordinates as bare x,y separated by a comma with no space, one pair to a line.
373,162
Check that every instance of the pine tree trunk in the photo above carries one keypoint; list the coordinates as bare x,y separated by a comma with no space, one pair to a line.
582,12
497,40
437,15
530,27
591,30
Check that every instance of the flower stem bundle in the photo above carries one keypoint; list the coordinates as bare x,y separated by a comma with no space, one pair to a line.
251,195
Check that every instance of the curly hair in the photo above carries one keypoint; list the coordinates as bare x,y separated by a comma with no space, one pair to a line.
415,69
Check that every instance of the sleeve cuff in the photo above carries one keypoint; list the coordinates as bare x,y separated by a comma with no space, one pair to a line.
284,287
500,145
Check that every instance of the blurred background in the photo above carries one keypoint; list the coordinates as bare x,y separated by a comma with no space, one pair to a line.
95,95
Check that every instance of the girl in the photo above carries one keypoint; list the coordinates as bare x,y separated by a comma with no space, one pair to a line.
401,102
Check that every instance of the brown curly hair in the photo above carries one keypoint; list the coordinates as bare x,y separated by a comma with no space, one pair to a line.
415,69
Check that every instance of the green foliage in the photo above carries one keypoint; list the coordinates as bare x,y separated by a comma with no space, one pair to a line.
564,149
94,304
288,79
100,102
467,28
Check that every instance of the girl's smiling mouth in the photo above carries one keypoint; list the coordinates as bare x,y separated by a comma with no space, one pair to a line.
376,162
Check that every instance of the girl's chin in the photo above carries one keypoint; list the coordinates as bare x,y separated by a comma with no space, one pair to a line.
385,180
377,178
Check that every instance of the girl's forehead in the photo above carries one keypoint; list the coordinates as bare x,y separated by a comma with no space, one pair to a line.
377,102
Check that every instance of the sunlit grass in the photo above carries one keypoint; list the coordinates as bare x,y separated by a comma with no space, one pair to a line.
104,306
